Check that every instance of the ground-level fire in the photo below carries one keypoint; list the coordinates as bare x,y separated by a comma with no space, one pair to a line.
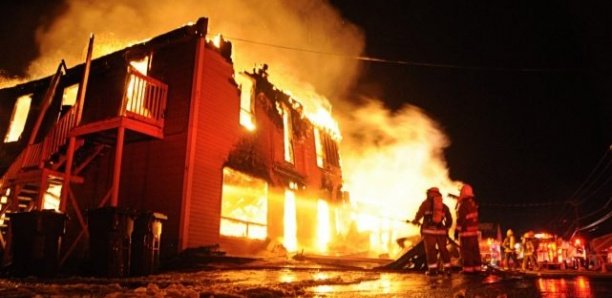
170,126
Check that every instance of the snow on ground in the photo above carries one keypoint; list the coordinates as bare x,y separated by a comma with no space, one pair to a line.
306,280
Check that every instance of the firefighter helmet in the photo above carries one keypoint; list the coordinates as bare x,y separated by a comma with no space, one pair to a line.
466,192
433,191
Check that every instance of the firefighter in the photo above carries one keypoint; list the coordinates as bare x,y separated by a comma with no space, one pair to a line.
509,250
529,252
434,230
467,230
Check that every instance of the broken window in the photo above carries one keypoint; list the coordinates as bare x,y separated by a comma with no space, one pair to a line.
244,205
246,85
18,118
287,134
319,148
69,98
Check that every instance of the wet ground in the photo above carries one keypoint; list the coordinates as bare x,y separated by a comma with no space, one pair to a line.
310,282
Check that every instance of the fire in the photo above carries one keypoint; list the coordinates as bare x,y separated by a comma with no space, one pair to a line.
323,225
6,82
290,234
216,40
388,159
323,118
18,118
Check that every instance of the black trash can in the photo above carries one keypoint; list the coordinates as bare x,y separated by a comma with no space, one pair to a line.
110,232
146,242
35,243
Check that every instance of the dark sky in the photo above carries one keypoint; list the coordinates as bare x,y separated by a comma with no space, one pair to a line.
524,92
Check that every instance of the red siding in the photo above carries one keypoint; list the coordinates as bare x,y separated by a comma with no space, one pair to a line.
218,130
153,171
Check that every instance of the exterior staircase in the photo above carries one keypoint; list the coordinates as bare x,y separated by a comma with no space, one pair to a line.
35,179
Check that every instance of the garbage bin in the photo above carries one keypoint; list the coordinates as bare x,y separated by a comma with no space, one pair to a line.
110,232
35,243
146,242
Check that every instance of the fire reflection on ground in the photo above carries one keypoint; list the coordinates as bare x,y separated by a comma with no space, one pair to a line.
311,282
571,287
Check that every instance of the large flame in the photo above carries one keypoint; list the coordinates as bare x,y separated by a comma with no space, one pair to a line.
388,159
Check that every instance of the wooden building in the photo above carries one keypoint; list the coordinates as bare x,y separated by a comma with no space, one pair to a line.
168,126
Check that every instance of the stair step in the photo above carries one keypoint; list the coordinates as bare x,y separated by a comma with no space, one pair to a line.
25,199
29,191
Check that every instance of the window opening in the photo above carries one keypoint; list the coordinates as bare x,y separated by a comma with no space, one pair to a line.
244,205
290,221
18,118
287,134
246,85
137,88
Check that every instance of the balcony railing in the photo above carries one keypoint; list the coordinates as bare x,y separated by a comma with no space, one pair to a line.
35,155
144,98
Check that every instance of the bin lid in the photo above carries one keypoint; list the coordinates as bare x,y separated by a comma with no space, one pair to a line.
158,215
45,212
111,209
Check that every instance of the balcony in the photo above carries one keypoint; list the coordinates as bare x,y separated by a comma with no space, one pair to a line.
141,111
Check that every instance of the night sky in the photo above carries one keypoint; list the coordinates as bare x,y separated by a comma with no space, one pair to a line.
523,92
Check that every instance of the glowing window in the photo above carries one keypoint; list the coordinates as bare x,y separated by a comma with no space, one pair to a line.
70,95
3,201
319,148
137,88
141,65
18,118
244,205
246,85
287,133
51,199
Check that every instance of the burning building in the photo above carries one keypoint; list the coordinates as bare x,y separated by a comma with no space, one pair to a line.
167,125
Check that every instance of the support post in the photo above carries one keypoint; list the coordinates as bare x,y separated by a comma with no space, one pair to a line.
83,86
44,184
117,166
67,174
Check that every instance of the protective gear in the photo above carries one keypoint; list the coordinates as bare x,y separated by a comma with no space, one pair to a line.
467,227
509,251
433,191
466,192
434,233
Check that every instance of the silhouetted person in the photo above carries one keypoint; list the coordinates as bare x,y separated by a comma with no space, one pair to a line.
434,229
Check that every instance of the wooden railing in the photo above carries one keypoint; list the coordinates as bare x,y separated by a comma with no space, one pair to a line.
59,134
13,169
35,155
144,98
